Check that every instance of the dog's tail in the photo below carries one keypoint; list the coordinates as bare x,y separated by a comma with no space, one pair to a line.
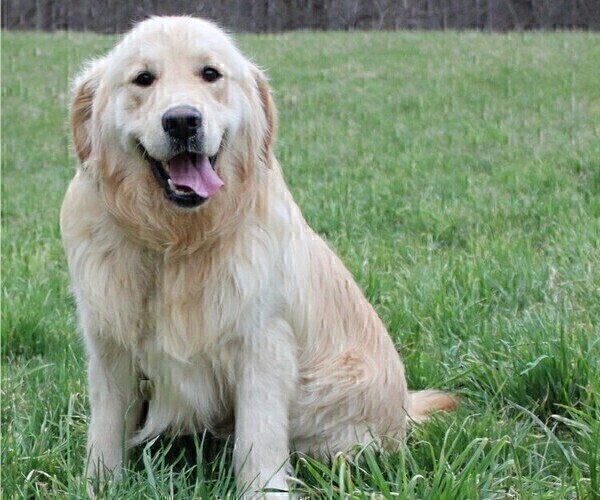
422,403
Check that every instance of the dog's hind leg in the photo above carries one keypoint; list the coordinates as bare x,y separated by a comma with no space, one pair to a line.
348,400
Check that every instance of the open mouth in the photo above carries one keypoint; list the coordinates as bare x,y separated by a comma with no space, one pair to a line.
188,179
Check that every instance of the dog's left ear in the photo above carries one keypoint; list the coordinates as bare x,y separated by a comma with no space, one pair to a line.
270,114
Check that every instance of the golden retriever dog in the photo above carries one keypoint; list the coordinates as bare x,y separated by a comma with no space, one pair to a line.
193,269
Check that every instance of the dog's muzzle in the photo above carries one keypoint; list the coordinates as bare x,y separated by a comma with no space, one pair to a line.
188,177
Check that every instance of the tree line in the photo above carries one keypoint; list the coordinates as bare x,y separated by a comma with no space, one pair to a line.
110,16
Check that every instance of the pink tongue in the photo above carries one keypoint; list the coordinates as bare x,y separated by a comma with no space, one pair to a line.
194,172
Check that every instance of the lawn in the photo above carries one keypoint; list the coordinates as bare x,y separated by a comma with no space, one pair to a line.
457,175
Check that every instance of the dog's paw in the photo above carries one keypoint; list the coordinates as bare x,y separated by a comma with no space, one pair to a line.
271,495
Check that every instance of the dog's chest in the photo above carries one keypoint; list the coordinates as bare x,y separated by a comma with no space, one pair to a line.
189,395
186,345
183,320
187,310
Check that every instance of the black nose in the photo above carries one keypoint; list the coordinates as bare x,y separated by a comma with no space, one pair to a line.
182,122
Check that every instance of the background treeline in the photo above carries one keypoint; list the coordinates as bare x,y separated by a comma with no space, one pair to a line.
278,15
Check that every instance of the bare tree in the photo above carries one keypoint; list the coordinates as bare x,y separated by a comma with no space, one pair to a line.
276,15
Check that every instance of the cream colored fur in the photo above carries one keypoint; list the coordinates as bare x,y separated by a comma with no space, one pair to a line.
241,317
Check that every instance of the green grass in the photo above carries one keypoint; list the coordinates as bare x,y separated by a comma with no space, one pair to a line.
458,176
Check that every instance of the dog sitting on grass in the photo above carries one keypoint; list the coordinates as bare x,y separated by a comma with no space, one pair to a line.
193,267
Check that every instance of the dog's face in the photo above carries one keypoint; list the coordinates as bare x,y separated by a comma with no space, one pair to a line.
177,107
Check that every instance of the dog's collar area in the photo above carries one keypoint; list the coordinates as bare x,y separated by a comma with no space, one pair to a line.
146,388
180,196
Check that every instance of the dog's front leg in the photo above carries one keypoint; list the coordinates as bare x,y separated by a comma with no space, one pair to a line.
266,381
113,405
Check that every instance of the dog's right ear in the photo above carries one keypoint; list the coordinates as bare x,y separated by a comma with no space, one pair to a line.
84,91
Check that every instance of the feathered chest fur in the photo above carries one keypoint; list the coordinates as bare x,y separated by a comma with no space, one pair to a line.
181,318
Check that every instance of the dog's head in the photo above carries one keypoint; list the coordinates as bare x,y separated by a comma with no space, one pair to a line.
172,118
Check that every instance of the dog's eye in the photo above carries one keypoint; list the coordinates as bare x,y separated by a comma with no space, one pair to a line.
144,79
210,74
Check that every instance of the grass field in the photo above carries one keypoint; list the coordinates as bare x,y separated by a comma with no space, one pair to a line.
458,176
